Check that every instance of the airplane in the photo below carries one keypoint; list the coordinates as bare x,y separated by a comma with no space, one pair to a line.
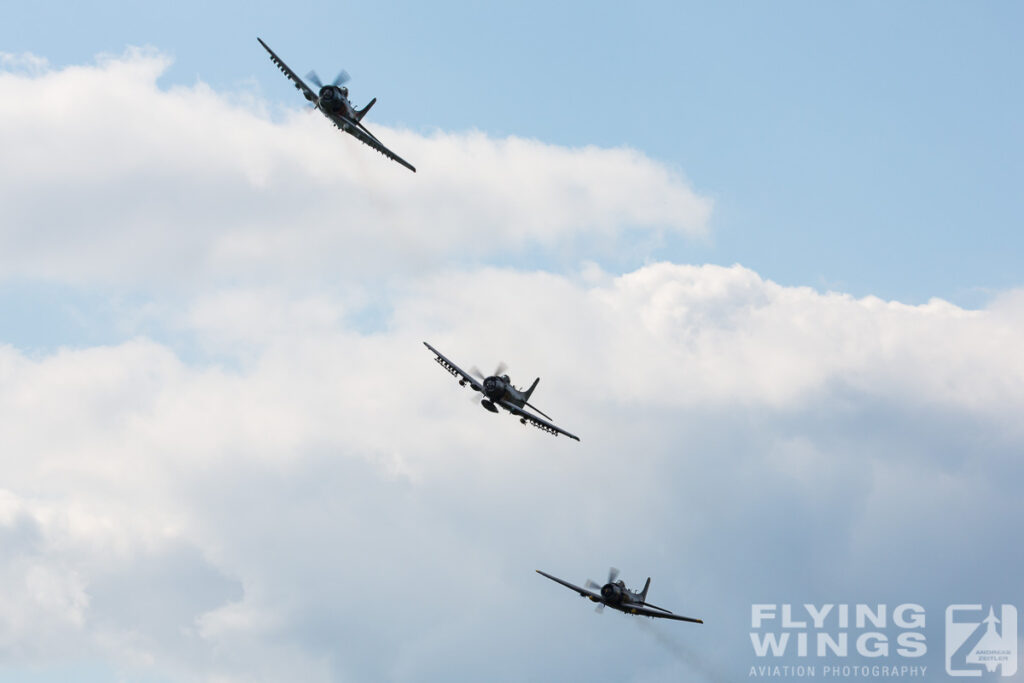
333,102
617,596
499,392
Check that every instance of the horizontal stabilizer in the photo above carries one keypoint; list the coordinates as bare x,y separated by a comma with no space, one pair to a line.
530,405
660,609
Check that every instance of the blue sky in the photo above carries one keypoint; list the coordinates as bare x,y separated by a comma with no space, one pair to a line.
870,148
765,259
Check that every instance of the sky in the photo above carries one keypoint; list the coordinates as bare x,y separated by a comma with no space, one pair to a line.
765,259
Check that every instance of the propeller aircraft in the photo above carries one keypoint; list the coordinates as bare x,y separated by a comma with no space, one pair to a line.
614,594
499,393
332,101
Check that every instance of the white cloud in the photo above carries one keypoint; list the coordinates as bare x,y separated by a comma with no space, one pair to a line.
251,486
26,61
335,502
108,178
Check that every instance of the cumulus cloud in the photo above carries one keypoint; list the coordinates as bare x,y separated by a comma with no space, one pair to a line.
336,503
25,62
107,177
254,482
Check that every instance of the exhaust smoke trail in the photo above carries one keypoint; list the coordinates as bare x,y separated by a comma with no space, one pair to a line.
683,654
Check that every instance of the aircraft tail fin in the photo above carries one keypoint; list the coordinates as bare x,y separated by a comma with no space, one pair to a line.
362,112
533,386
643,593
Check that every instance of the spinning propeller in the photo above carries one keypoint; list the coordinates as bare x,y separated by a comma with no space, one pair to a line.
342,77
498,371
475,371
613,574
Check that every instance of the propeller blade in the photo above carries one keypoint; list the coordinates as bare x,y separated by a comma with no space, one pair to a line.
475,371
600,608
342,77
314,79
613,574
500,370
592,586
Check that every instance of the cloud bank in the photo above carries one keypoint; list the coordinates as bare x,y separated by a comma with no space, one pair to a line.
250,483
107,177
337,505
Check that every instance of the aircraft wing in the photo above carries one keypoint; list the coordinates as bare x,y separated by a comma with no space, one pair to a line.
359,132
582,591
454,369
292,76
656,613
537,421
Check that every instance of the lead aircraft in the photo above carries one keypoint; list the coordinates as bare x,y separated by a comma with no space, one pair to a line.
332,101
615,594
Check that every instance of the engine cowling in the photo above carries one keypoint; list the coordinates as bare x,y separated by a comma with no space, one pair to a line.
611,593
494,388
331,98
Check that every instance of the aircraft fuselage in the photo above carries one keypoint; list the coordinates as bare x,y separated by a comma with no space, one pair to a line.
332,100
500,388
618,596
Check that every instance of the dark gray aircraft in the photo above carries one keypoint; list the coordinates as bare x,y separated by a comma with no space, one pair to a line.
332,101
615,594
499,392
